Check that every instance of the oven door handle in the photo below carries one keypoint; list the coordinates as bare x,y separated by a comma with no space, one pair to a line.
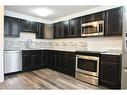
87,57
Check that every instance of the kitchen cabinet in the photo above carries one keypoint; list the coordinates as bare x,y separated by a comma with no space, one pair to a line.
48,56
56,60
32,60
68,63
40,31
110,71
87,18
75,27
33,27
65,33
113,22
61,61
26,26
11,27
93,17
99,16
66,29
58,30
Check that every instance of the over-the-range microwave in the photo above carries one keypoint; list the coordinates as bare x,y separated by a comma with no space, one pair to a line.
92,28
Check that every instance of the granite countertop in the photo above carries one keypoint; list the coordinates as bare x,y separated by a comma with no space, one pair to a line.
113,52
44,49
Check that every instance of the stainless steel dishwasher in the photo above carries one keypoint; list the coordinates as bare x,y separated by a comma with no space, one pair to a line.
12,61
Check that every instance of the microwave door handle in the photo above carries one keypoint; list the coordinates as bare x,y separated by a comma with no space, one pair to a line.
98,29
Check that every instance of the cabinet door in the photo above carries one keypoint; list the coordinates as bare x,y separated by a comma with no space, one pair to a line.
27,64
110,71
36,60
42,57
113,23
75,27
56,60
68,63
34,27
15,27
65,29
56,30
11,27
7,27
88,18
48,58
26,26
40,31
110,74
99,16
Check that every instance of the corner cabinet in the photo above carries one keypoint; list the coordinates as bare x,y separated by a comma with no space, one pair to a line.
113,22
11,27
110,71
61,61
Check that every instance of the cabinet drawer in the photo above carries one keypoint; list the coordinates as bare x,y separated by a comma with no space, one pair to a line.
110,58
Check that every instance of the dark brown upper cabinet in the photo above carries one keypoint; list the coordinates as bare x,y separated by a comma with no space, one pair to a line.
26,26
113,22
93,17
87,18
58,30
40,30
72,28
75,27
99,16
11,27
65,33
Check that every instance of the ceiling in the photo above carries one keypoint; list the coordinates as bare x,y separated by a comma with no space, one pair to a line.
58,11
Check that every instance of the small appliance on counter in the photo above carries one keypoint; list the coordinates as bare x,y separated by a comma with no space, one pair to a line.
12,61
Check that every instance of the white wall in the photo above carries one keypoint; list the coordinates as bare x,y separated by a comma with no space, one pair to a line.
1,43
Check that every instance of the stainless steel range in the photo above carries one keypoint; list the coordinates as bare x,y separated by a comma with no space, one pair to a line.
87,66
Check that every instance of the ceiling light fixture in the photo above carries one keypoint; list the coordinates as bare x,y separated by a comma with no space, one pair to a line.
43,12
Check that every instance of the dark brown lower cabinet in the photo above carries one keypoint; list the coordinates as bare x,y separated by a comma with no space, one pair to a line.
61,61
57,60
110,71
32,60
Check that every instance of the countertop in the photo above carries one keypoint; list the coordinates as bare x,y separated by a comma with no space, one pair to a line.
110,51
113,52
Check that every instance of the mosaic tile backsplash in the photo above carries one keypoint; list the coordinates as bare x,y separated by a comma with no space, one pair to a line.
28,41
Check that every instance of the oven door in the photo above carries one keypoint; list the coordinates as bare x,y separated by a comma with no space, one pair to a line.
87,65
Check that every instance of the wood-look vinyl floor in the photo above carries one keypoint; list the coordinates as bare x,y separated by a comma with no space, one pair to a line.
43,79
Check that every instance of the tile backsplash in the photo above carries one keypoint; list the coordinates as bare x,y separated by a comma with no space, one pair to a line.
70,44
